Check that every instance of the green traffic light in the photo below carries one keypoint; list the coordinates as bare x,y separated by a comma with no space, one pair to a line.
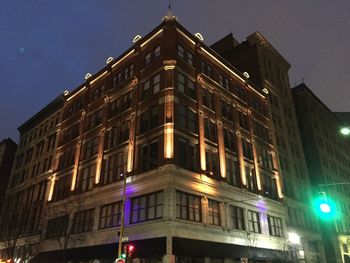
123,255
325,208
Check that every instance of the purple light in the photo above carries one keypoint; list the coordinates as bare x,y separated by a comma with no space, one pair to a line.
261,205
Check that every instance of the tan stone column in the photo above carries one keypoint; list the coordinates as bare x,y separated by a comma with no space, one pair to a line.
169,66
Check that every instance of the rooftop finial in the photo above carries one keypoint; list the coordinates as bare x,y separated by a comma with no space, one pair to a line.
169,15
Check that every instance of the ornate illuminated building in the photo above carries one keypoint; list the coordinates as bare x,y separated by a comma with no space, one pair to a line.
195,140
328,160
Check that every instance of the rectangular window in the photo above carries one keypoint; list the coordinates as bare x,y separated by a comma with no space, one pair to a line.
247,149
187,154
226,110
214,212
67,158
237,217
251,178
117,134
148,58
206,68
152,56
254,222
149,119
113,167
128,71
224,81
148,156
265,157
275,226
146,207
127,100
185,85
208,99
188,207
210,132
57,227
90,147
70,133
156,52
73,109
186,118
230,140
243,121
212,165
83,221
180,51
124,131
87,178
262,132
232,174
110,215
151,87
114,108
62,188
98,92
190,58
111,137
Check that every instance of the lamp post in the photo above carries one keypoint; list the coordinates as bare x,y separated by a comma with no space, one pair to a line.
121,231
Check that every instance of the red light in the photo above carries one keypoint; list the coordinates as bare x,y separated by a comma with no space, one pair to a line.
131,248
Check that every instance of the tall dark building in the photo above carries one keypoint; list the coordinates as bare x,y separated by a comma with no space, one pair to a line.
194,139
327,154
268,70
7,154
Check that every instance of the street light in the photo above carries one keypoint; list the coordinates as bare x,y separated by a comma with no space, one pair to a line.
345,131
294,240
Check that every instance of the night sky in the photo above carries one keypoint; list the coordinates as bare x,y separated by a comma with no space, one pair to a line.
48,46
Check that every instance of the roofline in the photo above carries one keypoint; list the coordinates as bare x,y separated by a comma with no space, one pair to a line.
303,86
221,60
268,44
48,109
115,61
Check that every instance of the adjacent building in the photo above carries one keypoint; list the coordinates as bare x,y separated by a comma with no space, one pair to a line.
268,70
327,154
195,140
7,154
25,197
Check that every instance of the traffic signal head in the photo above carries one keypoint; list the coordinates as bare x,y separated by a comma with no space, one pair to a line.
131,250
123,255
324,207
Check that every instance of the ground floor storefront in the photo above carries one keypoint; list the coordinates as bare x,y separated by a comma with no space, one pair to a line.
155,251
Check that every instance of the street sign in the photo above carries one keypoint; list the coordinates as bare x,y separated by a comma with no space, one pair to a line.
244,260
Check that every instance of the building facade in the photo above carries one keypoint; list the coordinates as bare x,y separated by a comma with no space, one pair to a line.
25,195
195,142
268,70
328,160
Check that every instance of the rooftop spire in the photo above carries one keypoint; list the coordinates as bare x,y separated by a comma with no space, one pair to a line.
169,14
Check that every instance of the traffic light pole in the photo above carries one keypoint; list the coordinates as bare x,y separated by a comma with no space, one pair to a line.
121,231
332,184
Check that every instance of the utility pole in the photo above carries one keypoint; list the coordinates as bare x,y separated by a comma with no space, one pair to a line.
121,231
